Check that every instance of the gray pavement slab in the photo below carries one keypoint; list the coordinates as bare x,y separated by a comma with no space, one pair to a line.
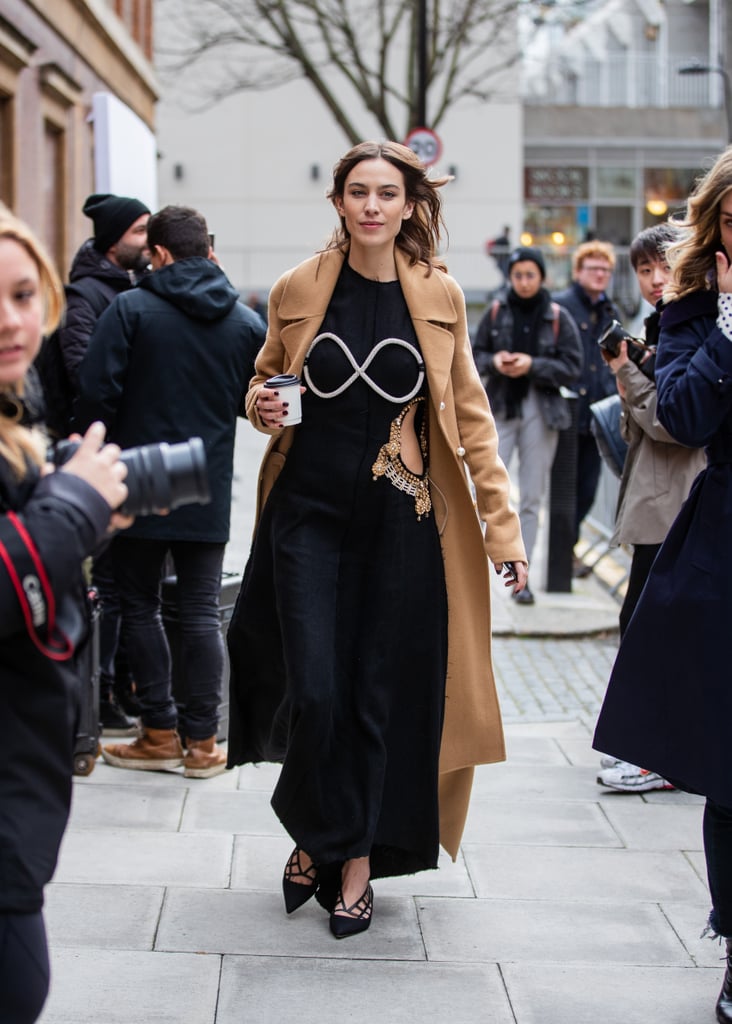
575,994
568,873
538,823
220,921
123,986
549,930
133,857
104,916
295,991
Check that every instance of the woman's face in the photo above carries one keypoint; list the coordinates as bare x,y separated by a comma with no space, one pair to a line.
374,203
525,278
21,311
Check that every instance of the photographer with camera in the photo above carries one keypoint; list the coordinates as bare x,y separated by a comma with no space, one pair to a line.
170,359
658,471
49,522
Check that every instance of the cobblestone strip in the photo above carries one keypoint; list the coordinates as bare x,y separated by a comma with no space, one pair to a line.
549,679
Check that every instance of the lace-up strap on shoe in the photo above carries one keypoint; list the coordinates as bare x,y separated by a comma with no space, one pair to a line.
295,872
358,910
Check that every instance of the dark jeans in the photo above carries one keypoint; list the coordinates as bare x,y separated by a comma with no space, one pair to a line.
718,852
138,568
643,557
24,969
109,625
589,464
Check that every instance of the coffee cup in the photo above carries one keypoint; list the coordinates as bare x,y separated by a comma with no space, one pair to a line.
287,385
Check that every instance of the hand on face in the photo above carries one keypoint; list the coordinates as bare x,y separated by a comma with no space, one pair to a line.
724,272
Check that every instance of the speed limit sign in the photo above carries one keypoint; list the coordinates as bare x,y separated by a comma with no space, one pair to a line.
425,144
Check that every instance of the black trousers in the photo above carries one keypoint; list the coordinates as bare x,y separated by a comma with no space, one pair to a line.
138,566
718,853
643,557
24,968
589,465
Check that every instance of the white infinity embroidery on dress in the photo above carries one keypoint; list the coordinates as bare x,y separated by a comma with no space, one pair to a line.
360,371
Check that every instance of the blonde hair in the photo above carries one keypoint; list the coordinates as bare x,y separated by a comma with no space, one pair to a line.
691,259
18,444
592,250
419,236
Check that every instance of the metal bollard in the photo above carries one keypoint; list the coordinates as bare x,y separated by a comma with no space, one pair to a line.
562,507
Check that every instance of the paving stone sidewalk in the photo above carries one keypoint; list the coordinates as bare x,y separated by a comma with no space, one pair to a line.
568,903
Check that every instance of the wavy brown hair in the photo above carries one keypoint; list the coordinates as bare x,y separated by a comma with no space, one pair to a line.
18,445
692,259
420,235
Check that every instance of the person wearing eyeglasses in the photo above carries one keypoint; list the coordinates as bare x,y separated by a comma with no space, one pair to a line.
587,300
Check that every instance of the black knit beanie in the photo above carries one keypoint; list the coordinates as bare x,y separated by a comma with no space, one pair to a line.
526,253
112,216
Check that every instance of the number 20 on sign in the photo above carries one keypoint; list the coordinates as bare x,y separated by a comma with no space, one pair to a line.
425,144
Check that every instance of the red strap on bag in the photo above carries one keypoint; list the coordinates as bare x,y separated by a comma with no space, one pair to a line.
36,598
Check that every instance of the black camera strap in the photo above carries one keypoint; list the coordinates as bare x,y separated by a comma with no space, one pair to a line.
32,588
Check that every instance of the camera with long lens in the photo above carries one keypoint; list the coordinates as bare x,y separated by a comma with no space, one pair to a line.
159,476
644,356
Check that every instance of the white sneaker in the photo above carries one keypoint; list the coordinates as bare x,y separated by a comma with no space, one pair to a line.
628,778
607,761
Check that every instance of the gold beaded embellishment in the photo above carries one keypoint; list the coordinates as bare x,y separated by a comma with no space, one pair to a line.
389,463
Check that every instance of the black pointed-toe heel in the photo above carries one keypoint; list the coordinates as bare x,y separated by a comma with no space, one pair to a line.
298,893
353,919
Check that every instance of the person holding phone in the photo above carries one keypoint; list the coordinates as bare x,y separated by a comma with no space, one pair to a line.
345,664
668,704
49,522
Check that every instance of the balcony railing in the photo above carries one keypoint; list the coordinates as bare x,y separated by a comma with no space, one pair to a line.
620,80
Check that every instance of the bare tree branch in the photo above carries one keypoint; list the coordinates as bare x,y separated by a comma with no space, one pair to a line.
354,53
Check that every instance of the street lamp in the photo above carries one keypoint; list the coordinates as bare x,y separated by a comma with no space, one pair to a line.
697,68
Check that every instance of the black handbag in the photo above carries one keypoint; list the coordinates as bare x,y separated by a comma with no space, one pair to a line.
605,426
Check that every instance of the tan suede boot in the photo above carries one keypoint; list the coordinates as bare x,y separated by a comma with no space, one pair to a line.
156,750
203,759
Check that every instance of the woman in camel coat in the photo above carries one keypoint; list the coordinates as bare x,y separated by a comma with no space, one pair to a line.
377,189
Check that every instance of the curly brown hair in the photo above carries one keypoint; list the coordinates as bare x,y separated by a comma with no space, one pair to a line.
420,235
692,259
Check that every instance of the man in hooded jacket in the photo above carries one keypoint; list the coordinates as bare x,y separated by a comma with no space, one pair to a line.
168,361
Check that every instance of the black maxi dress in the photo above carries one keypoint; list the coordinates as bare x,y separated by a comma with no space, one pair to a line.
338,642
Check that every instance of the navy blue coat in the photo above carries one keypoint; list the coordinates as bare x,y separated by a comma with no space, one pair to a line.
169,360
668,705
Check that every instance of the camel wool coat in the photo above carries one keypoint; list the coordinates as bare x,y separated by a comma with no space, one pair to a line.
462,436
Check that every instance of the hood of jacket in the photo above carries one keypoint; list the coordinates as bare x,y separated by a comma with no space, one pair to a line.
196,286
88,262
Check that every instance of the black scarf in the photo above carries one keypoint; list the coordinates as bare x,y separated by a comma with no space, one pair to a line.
527,315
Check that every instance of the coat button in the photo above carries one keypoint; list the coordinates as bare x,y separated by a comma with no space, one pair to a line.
461,451
442,406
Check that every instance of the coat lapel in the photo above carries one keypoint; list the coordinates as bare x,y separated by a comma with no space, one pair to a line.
432,310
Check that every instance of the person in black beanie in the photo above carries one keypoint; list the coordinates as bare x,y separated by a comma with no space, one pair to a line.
526,347
106,265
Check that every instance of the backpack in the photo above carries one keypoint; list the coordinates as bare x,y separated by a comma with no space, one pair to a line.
58,393
496,305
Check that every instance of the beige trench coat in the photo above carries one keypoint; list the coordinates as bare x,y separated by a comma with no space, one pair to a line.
461,434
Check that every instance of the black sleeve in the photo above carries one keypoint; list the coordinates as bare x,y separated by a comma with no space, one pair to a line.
103,370
74,335
61,523
483,346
